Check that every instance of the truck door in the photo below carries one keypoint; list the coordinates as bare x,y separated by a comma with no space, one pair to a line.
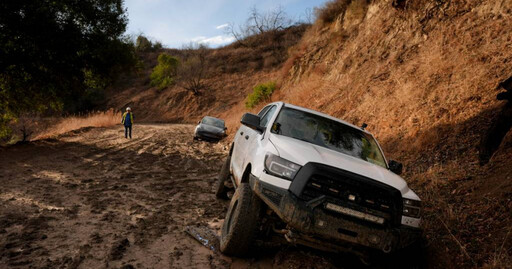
254,137
243,138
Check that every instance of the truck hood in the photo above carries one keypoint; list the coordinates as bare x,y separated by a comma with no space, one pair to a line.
301,152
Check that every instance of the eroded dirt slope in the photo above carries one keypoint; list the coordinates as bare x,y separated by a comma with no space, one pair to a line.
92,199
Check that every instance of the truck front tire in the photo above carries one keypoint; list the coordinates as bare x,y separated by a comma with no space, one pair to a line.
241,221
221,191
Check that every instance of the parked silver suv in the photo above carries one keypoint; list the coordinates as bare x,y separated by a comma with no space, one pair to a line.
210,128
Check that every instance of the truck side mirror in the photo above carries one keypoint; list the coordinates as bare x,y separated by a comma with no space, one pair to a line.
252,121
395,167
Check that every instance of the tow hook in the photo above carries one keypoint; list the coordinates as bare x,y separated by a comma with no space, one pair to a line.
387,248
289,237
280,231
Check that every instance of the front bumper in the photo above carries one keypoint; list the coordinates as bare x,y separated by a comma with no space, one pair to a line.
314,226
209,136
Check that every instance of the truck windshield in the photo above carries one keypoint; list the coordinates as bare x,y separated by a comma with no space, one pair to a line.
329,134
213,121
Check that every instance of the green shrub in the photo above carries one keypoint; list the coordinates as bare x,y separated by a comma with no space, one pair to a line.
261,92
94,93
139,66
164,73
143,44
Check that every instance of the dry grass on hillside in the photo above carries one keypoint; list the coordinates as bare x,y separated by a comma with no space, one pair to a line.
331,10
93,119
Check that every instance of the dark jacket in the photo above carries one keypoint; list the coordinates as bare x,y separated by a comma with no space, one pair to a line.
127,121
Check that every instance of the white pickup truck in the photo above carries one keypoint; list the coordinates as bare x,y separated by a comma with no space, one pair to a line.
314,180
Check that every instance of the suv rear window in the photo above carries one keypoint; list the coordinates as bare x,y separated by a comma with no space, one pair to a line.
329,134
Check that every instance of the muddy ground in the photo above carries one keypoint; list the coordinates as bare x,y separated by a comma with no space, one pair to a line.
93,199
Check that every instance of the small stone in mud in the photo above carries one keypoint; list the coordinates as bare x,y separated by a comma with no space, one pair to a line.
96,238
119,248
127,266
28,251
70,185
10,245
109,216
44,236
177,253
72,212
12,254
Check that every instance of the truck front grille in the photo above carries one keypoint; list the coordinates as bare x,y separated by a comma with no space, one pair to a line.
364,196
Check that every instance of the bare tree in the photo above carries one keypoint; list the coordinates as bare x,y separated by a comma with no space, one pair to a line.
307,17
260,23
238,32
194,68
27,123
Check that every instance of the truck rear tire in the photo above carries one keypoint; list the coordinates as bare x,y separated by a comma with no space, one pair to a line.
241,221
221,191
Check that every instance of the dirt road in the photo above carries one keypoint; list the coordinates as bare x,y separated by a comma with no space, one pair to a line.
93,199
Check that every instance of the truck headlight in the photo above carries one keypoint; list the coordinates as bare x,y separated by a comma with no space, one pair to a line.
280,167
412,208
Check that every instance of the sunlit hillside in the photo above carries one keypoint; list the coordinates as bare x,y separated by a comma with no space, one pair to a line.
424,77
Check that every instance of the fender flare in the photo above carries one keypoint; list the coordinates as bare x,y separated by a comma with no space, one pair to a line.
246,174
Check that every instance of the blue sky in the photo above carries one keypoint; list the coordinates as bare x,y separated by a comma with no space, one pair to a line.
178,22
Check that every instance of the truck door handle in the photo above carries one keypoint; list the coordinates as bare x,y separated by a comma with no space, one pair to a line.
241,133
246,137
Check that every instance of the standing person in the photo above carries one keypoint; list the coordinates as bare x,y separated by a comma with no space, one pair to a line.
127,121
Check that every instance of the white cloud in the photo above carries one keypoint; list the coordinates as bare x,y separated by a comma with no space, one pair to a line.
198,39
214,41
222,26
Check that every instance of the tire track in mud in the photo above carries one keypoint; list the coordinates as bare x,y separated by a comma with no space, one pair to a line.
93,199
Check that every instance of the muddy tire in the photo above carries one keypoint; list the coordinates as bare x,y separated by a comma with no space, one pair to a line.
241,221
221,191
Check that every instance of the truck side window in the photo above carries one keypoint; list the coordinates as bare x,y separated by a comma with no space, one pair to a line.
268,115
263,111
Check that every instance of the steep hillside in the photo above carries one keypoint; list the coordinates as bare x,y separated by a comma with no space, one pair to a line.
423,75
